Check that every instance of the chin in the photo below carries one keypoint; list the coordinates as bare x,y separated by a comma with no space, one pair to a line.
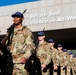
16,23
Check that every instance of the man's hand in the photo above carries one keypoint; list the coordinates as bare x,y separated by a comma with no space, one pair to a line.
43,65
55,67
23,60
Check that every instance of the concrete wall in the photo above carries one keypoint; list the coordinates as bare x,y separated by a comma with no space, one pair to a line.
48,14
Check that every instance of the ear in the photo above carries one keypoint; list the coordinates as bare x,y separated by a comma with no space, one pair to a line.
44,36
22,19
53,43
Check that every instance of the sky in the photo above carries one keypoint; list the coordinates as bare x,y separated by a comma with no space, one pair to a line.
12,2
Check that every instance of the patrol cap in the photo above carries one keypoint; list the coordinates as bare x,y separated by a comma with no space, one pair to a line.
18,14
70,53
41,33
65,50
59,45
50,41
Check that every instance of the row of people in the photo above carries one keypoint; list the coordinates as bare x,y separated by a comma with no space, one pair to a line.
60,57
19,41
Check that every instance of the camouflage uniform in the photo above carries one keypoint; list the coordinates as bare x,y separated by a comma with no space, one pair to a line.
21,46
54,58
43,53
61,62
67,63
74,66
70,63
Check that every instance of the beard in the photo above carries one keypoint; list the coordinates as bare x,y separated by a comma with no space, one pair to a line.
18,23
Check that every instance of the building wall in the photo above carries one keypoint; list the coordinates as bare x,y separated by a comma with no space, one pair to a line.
42,14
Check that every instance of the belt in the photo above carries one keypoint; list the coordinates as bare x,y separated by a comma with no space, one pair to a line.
18,63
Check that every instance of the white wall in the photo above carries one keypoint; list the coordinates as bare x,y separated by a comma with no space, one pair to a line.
48,14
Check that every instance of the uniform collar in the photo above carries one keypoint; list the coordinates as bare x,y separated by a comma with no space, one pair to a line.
17,29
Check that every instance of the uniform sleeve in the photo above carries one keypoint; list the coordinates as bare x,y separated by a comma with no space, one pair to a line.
29,49
48,55
66,59
55,60
71,63
29,44
30,37
74,64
